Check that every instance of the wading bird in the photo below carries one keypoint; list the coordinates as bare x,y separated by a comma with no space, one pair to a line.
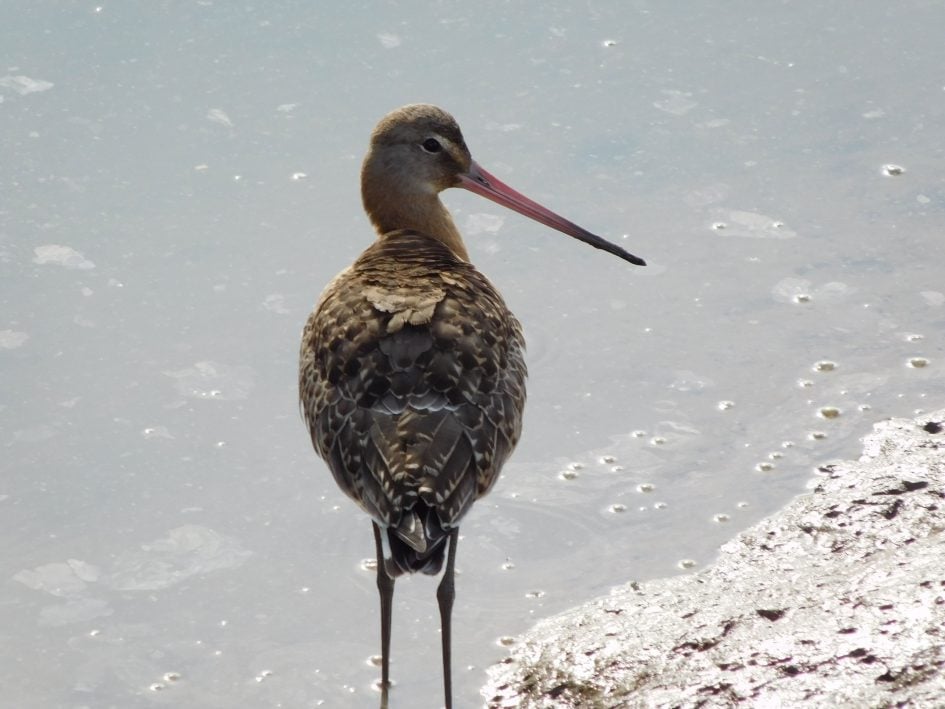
412,371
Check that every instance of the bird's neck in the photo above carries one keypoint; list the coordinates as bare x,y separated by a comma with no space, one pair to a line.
424,213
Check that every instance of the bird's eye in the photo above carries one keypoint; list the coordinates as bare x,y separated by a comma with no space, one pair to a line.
432,145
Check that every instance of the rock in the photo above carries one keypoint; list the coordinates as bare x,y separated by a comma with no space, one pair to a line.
836,600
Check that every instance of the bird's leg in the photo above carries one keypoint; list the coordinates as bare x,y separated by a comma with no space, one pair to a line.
385,587
445,593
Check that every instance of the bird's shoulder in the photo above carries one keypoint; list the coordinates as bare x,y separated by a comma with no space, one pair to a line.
406,279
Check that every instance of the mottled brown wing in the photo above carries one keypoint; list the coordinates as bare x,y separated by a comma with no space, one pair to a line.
412,381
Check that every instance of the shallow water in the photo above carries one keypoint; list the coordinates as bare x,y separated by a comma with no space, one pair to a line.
180,181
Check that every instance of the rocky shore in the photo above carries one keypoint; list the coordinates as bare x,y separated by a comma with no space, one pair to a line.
837,600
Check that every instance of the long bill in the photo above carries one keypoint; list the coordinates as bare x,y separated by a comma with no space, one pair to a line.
487,185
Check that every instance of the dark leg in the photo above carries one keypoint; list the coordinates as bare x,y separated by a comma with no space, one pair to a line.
445,593
385,587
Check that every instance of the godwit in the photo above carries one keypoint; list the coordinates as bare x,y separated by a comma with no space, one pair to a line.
411,373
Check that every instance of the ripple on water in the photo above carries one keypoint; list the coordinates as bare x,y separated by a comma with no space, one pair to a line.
734,222
213,380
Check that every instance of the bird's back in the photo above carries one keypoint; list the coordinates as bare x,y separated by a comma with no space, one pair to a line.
412,382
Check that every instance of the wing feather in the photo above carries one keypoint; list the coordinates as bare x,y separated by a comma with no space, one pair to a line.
412,382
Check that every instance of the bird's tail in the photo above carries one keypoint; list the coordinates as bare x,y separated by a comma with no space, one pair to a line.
417,544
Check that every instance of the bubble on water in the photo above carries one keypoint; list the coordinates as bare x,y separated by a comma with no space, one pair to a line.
568,474
368,564
718,226
171,676
720,517
646,487
617,469
263,676
608,459
617,508
764,467
918,362
660,505
775,455
657,440
741,505
686,563
816,435
891,170
299,175
802,298
505,641
805,383
787,444
638,434
157,687
912,337
725,405
375,660
535,594
609,43
507,566
824,365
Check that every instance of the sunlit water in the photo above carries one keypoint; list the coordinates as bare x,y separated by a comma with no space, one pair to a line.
180,180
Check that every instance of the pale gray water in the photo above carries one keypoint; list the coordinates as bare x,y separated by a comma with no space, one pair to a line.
179,181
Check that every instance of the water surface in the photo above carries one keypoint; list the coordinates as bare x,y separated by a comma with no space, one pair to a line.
179,182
